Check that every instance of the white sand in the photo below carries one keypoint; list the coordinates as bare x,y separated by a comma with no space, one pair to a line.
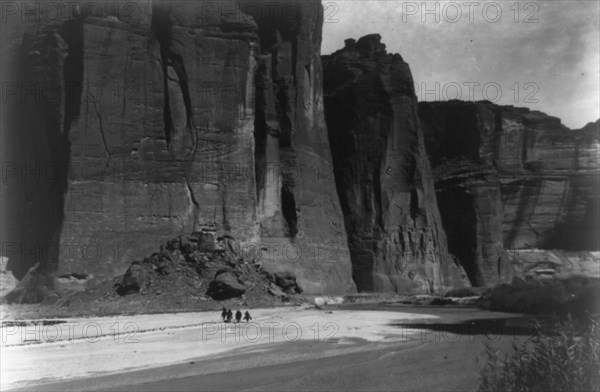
103,345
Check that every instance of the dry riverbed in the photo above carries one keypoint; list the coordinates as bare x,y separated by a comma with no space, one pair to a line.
281,348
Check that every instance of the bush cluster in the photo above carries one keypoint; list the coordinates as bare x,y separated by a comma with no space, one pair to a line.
564,357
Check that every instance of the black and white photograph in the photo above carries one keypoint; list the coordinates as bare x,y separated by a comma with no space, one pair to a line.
300,195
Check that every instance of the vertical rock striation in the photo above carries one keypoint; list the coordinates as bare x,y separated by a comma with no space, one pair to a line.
298,209
171,117
130,123
383,176
519,177
41,96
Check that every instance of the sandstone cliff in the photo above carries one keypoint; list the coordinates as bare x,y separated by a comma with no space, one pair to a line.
133,123
510,178
166,118
382,172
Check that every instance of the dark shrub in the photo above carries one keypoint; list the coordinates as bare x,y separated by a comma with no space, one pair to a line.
566,359
574,296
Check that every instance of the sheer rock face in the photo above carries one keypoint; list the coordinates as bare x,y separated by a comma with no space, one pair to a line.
171,117
382,173
520,178
298,208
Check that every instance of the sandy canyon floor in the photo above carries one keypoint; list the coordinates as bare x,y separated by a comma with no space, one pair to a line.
347,347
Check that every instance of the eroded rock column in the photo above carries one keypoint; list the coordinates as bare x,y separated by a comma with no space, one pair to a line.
382,173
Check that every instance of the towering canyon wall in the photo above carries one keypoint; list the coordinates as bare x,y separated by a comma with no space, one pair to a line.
127,124
382,172
170,117
298,209
511,178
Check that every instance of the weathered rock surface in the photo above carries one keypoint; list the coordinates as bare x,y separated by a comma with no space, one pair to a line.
7,279
225,286
133,280
287,281
36,286
68,284
510,178
133,123
543,265
275,291
298,211
169,117
181,275
382,173
37,66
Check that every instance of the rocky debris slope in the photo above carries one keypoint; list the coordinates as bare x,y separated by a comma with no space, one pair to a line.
382,172
166,117
132,123
511,178
185,275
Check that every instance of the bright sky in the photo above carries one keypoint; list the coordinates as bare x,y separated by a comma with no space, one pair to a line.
544,55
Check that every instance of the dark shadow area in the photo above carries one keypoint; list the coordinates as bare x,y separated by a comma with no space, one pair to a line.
451,131
36,126
260,127
577,233
359,118
577,296
362,269
460,223
288,207
170,60
492,328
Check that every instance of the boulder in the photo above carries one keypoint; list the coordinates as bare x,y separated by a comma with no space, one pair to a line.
133,281
207,240
225,286
287,281
276,291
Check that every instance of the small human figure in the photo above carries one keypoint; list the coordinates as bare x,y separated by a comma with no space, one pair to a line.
247,316
229,316
238,316
224,313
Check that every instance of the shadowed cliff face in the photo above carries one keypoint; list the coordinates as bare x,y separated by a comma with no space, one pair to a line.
171,117
41,97
132,123
382,173
297,205
528,181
